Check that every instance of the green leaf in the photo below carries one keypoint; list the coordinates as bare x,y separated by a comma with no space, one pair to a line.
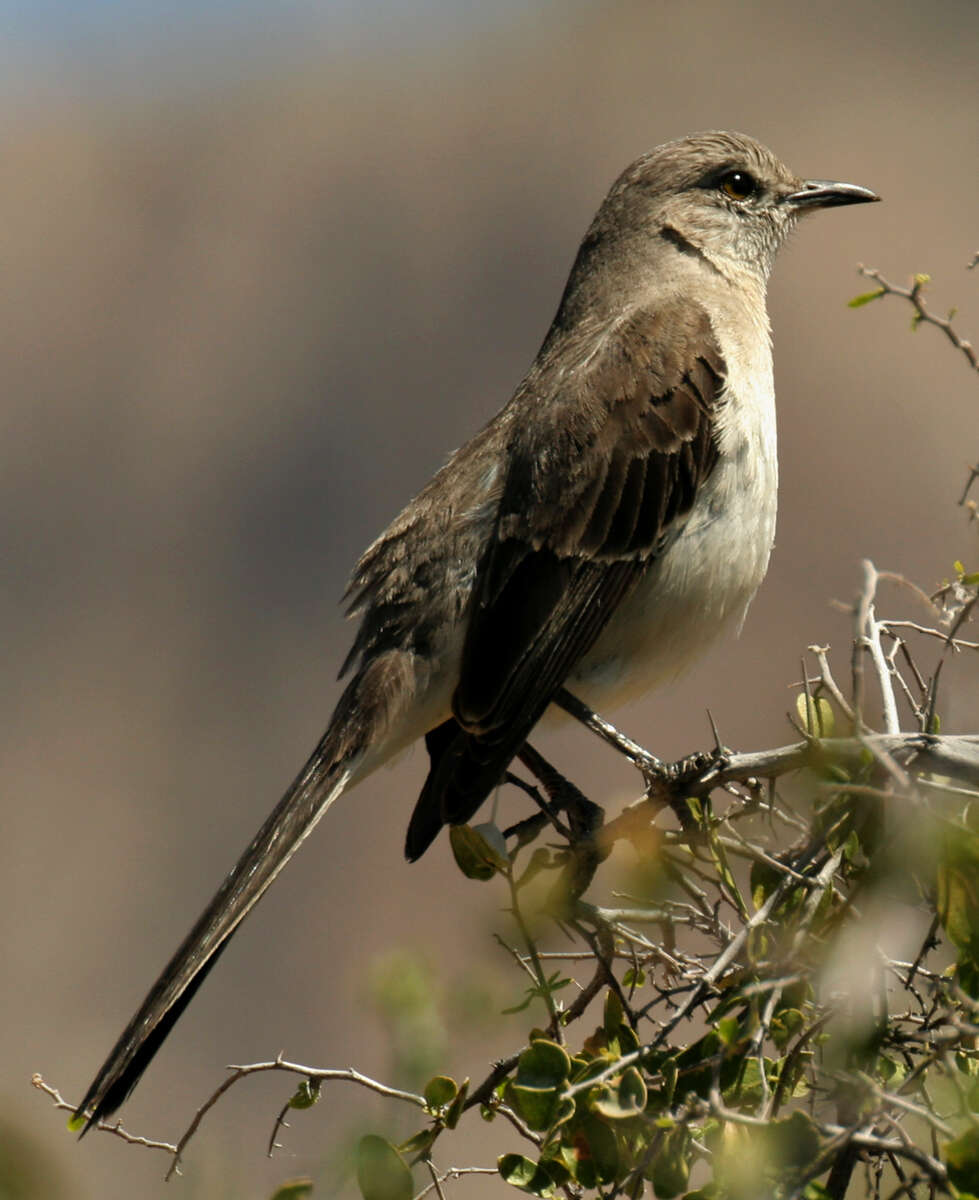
613,1013
889,1070
624,1099
293,1189
594,1153
700,1079
764,880
457,1106
728,1030
962,1160
542,1109
554,983
440,1091
785,1025
306,1095
632,1090
381,1171
418,1146
816,715
747,1087
958,901
719,855
543,1064
555,1166
536,1091
967,974
671,1167
865,298
794,1142
480,851
626,1039
523,1173
537,1107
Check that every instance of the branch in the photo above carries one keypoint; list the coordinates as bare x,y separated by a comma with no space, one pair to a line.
113,1127
347,1074
953,755
913,296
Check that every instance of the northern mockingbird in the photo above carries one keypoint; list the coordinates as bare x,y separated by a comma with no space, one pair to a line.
598,533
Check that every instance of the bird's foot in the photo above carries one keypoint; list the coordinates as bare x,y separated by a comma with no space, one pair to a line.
687,777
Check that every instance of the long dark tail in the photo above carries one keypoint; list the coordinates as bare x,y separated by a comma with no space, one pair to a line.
319,783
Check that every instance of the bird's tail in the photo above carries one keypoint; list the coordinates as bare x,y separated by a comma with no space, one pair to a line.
319,783
367,727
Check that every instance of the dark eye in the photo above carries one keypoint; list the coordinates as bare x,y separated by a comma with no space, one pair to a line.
739,185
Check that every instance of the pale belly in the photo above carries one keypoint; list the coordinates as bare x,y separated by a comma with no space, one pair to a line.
700,587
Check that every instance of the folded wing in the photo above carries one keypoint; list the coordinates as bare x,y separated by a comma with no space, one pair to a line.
599,481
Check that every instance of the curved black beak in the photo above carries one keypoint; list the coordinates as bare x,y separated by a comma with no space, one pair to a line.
822,193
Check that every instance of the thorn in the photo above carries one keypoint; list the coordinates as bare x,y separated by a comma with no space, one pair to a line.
713,728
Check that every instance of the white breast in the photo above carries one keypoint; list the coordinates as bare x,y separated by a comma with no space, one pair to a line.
704,582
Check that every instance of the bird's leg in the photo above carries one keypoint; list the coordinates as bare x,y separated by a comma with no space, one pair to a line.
585,819
663,781
584,816
651,767
526,831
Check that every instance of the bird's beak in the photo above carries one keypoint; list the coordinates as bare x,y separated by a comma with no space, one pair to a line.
822,193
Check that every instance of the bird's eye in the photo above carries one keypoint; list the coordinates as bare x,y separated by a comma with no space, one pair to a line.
739,185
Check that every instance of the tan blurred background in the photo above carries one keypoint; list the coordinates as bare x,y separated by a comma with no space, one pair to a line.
260,273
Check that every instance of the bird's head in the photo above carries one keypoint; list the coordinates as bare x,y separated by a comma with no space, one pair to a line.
723,196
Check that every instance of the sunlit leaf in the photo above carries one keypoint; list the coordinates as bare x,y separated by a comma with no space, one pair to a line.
525,1174
865,298
306,1095
418,1146
816,715
440,1091
480,851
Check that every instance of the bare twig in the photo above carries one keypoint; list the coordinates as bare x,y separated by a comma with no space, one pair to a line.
954,643
453,1173
113,1127
922,315
344,1074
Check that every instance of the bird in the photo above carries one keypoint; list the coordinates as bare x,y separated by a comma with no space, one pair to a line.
597,534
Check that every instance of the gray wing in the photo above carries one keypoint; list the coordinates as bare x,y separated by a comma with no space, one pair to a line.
599,480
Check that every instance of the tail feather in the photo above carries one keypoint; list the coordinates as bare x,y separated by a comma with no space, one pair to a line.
367,727
319,783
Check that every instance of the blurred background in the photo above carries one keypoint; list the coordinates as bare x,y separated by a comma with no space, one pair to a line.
263,267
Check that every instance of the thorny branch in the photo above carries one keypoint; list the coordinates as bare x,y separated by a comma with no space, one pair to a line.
715,951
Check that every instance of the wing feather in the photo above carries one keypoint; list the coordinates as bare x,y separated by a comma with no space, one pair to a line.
601,474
